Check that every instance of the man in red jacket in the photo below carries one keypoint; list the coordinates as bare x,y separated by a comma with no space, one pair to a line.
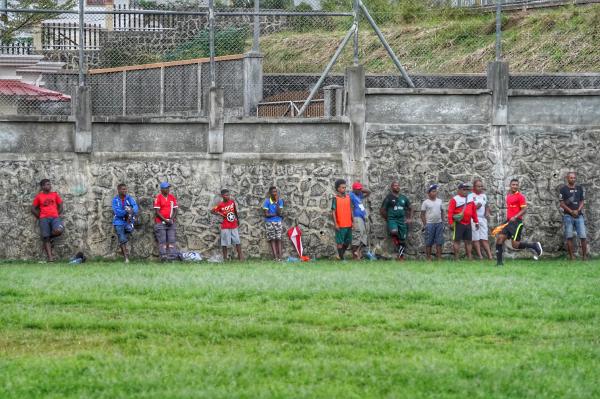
460,213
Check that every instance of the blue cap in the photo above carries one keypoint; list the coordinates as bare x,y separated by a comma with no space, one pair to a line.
432,187
164,184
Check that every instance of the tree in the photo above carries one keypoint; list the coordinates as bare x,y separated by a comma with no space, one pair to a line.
14,22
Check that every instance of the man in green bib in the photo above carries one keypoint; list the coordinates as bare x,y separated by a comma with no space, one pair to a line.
398,214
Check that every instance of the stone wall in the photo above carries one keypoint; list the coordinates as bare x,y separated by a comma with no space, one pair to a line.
546,137
417,136
144,154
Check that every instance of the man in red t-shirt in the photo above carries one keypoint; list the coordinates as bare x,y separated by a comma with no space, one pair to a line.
516,206
230,234
47,208
165,211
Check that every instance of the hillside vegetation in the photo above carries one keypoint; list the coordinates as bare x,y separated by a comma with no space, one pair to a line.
564,39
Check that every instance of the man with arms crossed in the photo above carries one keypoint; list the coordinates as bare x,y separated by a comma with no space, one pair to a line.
397,212
47,208
571,202
516,206
272,209
165,211
359,216
433,225
480,235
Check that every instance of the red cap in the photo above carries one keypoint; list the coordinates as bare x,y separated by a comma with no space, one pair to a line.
357,186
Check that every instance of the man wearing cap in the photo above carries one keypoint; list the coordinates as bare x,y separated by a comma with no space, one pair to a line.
397,212
480,235
461,212
165,210
359,214
433,225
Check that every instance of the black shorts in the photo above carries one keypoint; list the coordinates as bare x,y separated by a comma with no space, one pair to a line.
513,230
462,232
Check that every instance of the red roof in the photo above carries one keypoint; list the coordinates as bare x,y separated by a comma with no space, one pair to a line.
30,92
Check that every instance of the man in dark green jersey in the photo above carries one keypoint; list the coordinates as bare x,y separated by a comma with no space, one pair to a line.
398,214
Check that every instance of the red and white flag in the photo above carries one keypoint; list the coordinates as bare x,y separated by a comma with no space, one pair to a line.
295,235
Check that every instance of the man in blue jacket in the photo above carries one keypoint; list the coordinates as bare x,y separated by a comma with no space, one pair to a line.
125,209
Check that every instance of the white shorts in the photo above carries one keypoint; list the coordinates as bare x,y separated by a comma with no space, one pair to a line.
482,232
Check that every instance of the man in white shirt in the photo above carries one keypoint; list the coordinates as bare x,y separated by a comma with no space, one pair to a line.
480,237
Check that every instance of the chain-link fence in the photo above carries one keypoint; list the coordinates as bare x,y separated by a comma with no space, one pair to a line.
146,58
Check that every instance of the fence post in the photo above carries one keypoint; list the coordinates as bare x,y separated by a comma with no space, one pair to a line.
124,92
498,30
332,100
211,41
83,120
497,81
253,81
37,38
215,120
356,111
256,35
161,110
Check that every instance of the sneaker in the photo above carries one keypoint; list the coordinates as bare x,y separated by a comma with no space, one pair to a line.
499,264
538,251
126,260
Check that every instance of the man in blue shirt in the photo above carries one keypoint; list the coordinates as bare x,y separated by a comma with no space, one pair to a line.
273,209
125,209
359,222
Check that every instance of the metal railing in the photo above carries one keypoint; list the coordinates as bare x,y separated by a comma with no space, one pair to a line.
16,48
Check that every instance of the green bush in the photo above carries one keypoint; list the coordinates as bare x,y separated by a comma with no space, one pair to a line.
227,41
301,23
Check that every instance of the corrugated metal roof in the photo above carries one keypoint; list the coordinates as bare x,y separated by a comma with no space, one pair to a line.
9,87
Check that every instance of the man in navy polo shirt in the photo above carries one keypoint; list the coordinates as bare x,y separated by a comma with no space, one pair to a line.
359,219
273,209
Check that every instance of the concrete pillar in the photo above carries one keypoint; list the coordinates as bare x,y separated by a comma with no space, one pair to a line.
37,37
332,96
83,120
497,81
356,112
253,82
215,120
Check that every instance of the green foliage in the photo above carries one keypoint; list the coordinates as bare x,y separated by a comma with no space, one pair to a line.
17,22
303,24
227,41
316,330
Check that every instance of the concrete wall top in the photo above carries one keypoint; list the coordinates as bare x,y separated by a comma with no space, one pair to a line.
31,137
532,109
149,137
428,106
285,136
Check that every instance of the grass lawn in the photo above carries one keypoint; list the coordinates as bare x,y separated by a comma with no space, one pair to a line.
324,329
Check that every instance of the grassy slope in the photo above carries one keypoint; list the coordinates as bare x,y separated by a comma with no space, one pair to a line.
317,330
555,40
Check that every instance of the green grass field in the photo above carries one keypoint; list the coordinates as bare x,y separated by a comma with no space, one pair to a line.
324,329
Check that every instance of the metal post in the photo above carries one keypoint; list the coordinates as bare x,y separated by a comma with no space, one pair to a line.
256,37
211,40
356,21
199,87
386,45
161,107
328,68
124,93
498,30
4,14
81,44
